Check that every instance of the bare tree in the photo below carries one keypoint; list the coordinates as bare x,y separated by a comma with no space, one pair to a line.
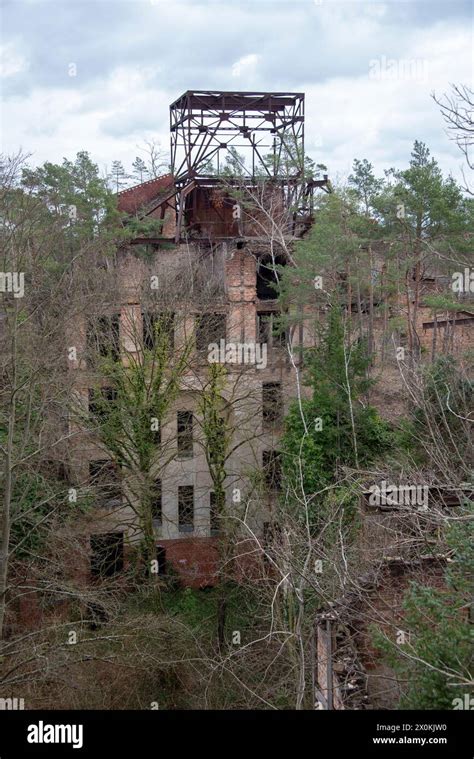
156,158
457,109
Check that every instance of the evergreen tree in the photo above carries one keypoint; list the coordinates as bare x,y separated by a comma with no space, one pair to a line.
118,176
75,190
332,428
140,170
364,184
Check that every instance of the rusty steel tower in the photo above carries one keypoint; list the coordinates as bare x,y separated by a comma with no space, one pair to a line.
219,138
264,126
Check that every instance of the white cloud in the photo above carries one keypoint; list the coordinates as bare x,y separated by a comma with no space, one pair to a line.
11,61
245,65
131,66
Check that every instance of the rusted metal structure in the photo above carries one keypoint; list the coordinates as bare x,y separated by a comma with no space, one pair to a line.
206,125
260,135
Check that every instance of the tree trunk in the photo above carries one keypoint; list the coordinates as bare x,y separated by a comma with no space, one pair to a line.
6,512
435,335
371,307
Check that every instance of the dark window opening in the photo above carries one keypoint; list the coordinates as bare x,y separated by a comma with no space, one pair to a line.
271,461
210,328
158,329
161,560
268,277
104,476
156,502
270,329
186,508
101,402
156,433
185,433
106,554
103,338
441,323
272,403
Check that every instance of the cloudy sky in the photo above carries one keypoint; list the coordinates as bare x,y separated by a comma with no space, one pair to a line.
99,75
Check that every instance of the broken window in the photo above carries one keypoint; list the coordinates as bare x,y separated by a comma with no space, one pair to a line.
272,403
103,338
271,462
158,327
101,402
156,501
185,433
270,329
104,476
268,277
186,508
210,328
106,554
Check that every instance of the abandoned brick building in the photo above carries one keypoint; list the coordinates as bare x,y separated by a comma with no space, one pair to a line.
201,226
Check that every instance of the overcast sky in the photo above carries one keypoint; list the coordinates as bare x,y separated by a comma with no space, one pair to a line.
367,69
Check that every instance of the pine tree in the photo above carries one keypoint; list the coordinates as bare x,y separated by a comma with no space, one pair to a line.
118,176
364,184
140,170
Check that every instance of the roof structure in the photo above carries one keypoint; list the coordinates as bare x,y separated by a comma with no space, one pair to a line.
136,198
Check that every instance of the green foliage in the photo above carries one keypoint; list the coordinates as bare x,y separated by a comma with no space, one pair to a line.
217,435
140,171
36,499
144,387
444,302
75,184
118,176
144,228
364,184
320,448
197,608
421,205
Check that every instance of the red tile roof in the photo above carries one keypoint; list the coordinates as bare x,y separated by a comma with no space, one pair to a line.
134,198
